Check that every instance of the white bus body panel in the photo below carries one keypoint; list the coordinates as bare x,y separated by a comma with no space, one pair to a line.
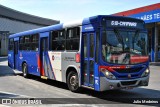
61,61
56,62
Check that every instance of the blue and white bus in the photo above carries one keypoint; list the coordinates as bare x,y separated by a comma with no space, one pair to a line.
101,53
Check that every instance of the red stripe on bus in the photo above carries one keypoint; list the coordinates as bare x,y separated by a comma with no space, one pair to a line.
40,66
111,68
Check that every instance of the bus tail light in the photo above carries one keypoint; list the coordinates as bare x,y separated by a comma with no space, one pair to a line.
77,57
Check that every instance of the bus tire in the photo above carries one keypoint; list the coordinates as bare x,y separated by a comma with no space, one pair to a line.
73,81
25,70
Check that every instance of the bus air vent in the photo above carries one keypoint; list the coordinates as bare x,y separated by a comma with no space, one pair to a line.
128,82
129,70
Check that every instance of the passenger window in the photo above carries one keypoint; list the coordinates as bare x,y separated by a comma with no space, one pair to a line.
34,42
73,38
27,43
35,38
58,40
27,40
21,40
55,35
21,43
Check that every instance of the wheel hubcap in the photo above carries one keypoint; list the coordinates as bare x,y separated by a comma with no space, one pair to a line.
73,80
24,71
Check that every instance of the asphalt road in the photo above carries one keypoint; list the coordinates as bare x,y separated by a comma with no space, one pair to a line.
13,85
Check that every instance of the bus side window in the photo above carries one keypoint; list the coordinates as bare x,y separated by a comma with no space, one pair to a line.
73,38
61,40
27,42
34,42
21,43
58,40
54,40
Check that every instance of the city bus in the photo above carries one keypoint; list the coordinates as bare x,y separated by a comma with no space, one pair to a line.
101,53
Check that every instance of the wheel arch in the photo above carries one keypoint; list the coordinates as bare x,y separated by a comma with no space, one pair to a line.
73,68
22,64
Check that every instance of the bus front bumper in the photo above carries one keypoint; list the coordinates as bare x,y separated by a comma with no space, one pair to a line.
106,84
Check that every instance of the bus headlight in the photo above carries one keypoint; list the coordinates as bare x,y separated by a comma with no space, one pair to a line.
145,73
108,74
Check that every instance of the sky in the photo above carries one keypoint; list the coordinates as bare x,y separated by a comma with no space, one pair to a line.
69,10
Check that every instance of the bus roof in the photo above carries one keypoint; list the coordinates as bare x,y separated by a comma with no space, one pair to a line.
69,24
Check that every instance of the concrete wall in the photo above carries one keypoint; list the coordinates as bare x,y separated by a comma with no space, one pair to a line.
13,26
4,45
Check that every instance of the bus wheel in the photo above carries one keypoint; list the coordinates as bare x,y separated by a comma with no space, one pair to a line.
72,81
25,70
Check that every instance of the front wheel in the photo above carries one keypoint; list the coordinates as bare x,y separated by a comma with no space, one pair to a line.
73,81
25,70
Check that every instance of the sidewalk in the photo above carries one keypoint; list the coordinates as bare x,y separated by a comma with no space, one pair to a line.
5,70
155,63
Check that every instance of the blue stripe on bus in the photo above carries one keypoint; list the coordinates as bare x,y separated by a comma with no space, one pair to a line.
53,74
96,78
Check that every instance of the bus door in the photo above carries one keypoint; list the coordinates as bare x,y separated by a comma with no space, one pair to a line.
88,49
16,55
44,57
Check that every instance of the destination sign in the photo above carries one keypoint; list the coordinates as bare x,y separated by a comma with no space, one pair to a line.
121,23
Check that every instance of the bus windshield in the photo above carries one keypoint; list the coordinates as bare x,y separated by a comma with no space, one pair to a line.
124,47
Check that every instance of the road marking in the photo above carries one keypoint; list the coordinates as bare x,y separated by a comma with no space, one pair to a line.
4,92
4,105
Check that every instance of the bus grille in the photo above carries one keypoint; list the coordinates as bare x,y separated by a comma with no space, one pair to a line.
129,70
128,82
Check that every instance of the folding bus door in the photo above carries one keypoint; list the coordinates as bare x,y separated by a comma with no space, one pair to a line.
45,67
43,56
88,49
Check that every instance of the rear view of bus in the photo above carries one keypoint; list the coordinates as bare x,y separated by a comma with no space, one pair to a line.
115,54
